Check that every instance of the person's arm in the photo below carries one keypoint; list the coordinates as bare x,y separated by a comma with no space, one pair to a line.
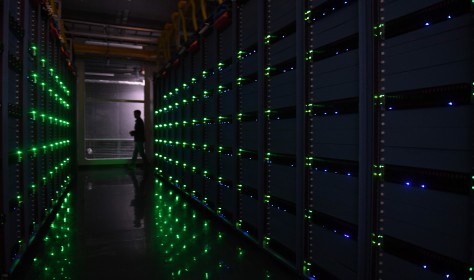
132,133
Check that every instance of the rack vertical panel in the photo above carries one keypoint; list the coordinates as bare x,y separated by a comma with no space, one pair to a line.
248,59
280,117
3,65
37,89
319,130
426,121
333,116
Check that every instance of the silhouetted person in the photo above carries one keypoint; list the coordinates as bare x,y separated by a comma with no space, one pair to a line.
139,138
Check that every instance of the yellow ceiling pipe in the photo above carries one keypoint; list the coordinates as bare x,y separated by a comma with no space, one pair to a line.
220,2
174,20
164,41
172,30
193,12
181,7
203,9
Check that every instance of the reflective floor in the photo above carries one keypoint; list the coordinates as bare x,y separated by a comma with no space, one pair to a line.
128,225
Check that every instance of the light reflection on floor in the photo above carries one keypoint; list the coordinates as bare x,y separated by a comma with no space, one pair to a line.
158,234
55,262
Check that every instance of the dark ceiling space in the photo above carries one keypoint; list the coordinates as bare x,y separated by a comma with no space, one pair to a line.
137,13
133,24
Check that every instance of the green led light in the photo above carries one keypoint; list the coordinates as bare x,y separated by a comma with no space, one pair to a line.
268,70
34,77
268,39
240,55
240,80
307,15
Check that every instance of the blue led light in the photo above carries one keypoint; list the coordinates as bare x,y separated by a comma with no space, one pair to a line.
450,103
407,184
425,266
449,16
427,24
423,186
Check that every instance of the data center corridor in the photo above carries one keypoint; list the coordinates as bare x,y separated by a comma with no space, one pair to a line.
119,224
322,139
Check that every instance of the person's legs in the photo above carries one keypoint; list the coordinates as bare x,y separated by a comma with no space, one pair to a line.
141,152
135,153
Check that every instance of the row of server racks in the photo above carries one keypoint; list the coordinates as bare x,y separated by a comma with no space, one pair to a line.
37,117
337,135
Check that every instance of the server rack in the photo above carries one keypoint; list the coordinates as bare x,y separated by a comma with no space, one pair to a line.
37,116
319,129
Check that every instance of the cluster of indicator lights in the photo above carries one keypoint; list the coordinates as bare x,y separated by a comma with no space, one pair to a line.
56,262
243,55
53,117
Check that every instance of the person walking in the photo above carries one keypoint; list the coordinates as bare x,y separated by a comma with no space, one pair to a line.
139,138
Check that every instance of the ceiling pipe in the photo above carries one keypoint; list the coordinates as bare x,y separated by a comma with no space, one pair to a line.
193,12
181,7
112,26
141,40
82,49
203,9
174,20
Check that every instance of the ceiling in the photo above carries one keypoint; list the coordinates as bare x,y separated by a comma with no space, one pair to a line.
138,13
130,27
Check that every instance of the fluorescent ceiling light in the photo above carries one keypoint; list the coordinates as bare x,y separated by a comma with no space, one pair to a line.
142,83
100,74
119,45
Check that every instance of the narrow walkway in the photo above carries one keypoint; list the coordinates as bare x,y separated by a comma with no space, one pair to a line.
128,225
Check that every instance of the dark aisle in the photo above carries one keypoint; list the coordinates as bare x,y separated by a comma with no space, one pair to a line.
120,225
